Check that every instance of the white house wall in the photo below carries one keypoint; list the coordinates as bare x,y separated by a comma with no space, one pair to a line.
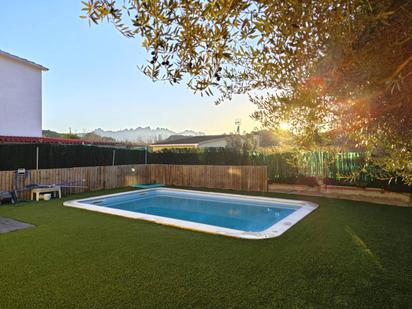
20,99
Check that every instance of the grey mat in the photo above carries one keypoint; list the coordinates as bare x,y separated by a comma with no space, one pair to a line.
9,225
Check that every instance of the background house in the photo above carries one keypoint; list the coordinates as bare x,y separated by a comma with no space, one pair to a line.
204,141
20,96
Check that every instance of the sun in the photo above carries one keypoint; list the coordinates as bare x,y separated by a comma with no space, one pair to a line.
285,126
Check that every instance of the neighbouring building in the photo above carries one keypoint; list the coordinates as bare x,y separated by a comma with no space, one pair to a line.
204,141
20,96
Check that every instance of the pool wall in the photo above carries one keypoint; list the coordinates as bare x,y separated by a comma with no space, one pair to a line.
304,208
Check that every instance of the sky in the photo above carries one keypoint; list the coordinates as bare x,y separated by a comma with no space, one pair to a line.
93,80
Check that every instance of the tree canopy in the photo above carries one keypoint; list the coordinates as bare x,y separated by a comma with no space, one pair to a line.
337,67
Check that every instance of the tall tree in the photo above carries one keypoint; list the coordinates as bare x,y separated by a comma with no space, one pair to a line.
337,66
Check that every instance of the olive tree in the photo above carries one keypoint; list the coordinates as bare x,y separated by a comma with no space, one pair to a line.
336,67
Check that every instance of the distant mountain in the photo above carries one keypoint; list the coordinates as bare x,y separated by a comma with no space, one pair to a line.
143,135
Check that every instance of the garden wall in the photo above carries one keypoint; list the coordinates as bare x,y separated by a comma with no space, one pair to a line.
371,195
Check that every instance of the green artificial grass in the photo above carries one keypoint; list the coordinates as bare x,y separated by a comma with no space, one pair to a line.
345,254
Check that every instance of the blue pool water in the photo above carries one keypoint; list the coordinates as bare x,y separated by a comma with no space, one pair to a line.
249,216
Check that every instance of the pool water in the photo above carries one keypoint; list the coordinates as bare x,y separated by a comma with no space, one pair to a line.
234,215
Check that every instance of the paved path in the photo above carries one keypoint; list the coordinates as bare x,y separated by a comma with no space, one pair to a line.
9,225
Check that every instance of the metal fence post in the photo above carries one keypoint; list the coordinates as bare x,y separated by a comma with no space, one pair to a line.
37,157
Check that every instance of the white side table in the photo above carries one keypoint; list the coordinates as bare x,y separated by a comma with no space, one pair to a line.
55,190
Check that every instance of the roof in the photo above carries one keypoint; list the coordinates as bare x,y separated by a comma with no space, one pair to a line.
48,140
189,140
24,61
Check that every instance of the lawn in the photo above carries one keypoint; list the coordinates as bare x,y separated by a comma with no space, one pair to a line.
345,254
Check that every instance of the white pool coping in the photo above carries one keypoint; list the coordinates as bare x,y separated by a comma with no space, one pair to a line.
275,230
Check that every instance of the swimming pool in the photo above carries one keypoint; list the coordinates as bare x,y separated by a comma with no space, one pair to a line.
241,216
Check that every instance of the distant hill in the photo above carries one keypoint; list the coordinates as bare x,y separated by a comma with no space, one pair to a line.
91,137
144,135
52,134
174,137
